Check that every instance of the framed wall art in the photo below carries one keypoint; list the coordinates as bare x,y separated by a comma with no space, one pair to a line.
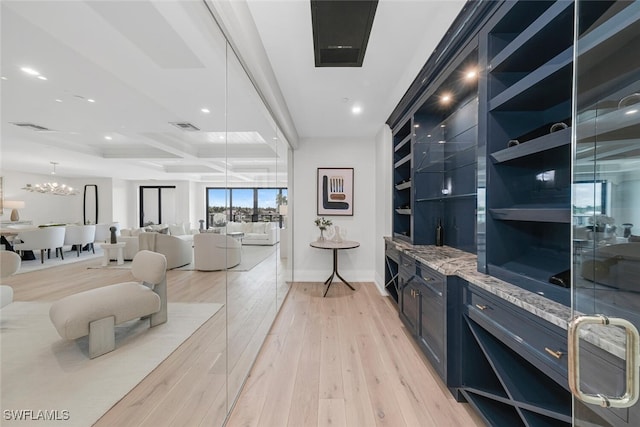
335,191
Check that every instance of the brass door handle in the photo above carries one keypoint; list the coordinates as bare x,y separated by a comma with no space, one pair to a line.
555,353
630,396
481,307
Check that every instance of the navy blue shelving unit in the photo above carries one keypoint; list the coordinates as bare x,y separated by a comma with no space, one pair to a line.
528,187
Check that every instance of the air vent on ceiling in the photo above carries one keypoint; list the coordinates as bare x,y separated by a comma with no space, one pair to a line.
32,126
186,126
341,31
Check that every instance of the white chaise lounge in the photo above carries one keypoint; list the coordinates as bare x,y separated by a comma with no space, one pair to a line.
96,312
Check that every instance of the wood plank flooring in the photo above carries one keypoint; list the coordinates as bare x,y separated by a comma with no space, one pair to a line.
343,360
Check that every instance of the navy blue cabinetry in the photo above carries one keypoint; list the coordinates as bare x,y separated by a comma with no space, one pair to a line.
430,317
402,176
528,145
392,269
515,364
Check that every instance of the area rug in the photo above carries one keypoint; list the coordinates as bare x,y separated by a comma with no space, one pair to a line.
54,378
70,257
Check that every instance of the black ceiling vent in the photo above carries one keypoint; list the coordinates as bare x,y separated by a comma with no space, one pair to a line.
341,31
32,126
185,126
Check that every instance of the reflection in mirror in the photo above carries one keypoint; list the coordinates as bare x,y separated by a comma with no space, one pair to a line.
167,111
252,156
606,203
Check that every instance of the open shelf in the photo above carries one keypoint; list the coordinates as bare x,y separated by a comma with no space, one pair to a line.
447,197
494,412
402,143
542,88
403,160
538,145
562,215
541,35
403,186
525,384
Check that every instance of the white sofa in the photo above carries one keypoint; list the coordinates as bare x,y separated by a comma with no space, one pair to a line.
130,236
214,251
255,233
177,249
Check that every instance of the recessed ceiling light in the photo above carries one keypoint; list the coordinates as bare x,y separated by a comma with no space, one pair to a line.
108,138
356,109
58,100
417,125
205,110
443,126
631,112
42,77
30,71
4,78
445,98
471,74
428,136
91,100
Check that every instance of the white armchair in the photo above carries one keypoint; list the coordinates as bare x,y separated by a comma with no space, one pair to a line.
80,235
213,251
9,264
41,239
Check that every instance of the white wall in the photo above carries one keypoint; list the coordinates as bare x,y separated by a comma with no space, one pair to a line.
315,265
383,201
46,208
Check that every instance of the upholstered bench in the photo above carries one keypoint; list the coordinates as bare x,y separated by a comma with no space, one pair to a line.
96,312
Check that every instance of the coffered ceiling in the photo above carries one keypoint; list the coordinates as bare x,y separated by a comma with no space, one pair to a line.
121,80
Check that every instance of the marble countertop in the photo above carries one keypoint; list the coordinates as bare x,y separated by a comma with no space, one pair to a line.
454,262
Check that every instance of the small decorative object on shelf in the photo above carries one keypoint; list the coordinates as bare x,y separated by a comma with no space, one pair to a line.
557,126
634,98
439,234
627,230
114,238
322,224
513,142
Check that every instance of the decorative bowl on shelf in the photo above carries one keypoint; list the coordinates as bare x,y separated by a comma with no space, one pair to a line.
557,126
628,100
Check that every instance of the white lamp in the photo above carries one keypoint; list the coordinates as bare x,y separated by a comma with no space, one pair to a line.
14,205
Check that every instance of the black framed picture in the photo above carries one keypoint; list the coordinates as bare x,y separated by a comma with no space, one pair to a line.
335,191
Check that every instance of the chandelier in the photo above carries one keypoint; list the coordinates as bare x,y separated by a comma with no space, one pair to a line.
52,187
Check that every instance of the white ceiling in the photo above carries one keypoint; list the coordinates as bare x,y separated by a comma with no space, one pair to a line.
148,64
404,34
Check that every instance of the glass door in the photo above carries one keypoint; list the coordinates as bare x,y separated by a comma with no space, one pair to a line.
603,337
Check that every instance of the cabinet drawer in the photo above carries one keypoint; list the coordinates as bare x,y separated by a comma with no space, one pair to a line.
541,343
392,252
430,278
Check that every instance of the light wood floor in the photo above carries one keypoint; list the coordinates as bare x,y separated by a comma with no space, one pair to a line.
343,360
191,386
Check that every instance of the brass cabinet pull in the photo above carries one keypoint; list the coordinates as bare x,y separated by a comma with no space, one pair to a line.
481,307
555,353
428,279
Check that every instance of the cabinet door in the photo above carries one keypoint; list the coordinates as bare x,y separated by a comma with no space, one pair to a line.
606,217
411,306
432,326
